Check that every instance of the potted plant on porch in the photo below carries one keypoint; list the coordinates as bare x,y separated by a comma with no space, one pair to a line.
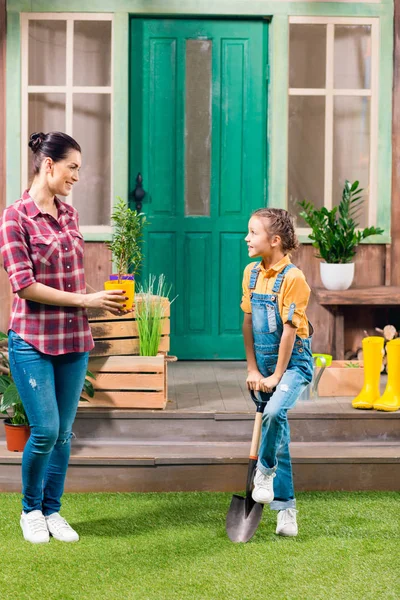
335,235
16,424
151,304
126,248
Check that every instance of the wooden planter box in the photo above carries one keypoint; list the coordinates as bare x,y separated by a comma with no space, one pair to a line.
123,378
118,335
129,382
339,380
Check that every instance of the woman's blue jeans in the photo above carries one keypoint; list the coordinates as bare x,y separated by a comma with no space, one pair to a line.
50,388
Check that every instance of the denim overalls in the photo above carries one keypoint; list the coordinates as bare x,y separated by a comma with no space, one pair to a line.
267,332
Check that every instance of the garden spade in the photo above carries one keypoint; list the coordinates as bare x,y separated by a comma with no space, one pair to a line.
244,515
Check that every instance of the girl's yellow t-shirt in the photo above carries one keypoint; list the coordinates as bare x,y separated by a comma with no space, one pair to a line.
294,290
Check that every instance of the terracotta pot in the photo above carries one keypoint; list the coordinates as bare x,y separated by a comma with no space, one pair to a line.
16,436
128,284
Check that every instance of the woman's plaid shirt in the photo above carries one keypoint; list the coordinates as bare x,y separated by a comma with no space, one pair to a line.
38,248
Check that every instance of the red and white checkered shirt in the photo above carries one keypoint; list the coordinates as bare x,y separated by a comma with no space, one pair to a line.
38,248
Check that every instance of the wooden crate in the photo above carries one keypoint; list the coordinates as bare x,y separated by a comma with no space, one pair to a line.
116,335
339,380
129,382
123,378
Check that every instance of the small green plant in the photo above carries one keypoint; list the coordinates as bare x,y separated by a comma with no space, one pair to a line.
150,311
126,243
10,400
334,232
351,365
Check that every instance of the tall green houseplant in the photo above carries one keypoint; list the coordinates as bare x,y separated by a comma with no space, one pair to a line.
126,248
126,243
335,234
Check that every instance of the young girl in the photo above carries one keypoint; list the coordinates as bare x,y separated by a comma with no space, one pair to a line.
49,334
278,352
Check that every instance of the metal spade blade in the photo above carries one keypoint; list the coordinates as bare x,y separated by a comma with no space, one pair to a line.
244,515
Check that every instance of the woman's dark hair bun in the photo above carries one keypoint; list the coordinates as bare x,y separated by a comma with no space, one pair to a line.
35,141
55,145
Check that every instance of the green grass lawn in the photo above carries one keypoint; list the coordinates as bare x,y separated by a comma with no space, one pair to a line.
174,546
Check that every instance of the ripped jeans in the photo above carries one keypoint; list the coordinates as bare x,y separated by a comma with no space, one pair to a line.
50,387
274,454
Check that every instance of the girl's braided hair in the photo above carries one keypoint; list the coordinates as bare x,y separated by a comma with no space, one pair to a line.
282,223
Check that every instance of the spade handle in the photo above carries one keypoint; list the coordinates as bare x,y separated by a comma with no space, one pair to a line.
255,440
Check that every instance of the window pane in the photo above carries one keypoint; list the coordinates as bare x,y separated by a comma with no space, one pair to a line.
352,57
47,52
92,53
198,127
46,112
307,57
92,130
306,152
351,144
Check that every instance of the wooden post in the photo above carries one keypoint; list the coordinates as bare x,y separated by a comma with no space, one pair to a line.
395,210
339,333
5,296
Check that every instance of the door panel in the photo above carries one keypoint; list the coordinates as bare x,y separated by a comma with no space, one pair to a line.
198,137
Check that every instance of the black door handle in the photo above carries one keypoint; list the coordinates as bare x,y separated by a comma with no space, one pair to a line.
138,193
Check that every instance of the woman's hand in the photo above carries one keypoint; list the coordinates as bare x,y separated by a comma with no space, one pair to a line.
112,300
268,384
253,380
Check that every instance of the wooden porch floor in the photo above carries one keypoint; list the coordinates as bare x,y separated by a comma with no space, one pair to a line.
220,386
201,441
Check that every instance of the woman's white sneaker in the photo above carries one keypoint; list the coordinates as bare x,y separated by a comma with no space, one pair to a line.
287,523
34,527
263,488
60,529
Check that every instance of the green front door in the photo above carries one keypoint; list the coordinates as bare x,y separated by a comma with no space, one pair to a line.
198,102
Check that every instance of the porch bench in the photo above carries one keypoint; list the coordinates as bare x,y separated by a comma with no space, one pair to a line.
334,301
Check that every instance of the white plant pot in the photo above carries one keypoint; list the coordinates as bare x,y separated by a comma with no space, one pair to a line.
337,276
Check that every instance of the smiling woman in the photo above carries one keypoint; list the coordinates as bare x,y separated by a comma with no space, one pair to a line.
49,337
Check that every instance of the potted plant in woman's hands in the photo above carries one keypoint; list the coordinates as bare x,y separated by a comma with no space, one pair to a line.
126,248
336,236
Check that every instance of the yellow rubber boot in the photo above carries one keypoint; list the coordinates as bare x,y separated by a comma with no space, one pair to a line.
372,351
390,401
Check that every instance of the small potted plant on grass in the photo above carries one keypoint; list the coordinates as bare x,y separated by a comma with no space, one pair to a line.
16,424
335,235
126,248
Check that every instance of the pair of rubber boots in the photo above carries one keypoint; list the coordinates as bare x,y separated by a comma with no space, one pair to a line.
370,396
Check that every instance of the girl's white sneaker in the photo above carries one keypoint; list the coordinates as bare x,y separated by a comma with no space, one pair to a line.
287,523
263,492
60,529
34,528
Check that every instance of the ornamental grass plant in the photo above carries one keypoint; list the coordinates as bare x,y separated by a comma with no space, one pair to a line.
150,308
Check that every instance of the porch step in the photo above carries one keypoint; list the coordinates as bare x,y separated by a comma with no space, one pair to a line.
308,423
102,466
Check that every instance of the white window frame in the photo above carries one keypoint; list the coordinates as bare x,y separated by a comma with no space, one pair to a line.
330,92
68,89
